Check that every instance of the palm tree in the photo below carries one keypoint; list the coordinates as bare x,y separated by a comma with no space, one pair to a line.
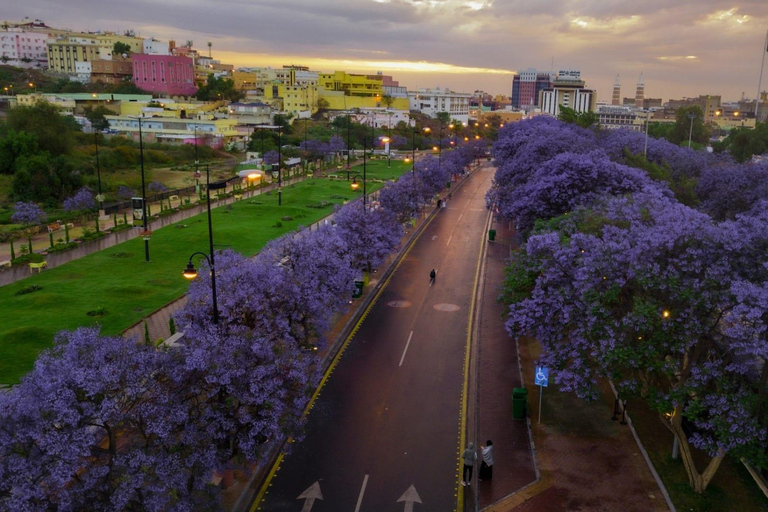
209,49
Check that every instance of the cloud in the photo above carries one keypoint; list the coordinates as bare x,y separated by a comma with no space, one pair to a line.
599,37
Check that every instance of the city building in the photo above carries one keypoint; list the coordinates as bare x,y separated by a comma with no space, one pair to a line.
433,101
526,87
155,47
164,75
707,103
155,128
617,116
616,98
24,48
567,91
113,71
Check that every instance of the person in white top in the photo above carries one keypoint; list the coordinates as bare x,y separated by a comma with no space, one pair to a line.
486,467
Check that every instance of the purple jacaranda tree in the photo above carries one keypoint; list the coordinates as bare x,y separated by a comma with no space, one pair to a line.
647,291
432,176
29,215
336,145
729,190
402,197
270,157
314,148
566,181
398,141
124,192
97,425
156,187
317,279
83,200
682,162
369,236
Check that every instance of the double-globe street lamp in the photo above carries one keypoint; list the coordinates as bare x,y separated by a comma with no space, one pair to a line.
190,272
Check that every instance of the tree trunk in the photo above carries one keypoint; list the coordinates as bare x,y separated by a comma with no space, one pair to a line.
698,481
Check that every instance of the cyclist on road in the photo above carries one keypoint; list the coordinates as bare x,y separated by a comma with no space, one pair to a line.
432,276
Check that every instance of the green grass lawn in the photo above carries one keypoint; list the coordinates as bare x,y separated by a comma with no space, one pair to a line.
122,283
374,170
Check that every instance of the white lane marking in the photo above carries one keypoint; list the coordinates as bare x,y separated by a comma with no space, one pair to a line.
406,348
449,240
362,491
459,219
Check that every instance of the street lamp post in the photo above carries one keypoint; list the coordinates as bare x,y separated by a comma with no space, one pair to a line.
355,185
190,272
279,160
304,167
691,116
143,191
100,197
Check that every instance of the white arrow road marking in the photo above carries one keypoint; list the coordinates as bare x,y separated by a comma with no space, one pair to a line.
410,497
434,237
403,357
362,492
311,494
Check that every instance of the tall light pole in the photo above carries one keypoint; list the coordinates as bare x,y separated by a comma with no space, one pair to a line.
305,144
190,272
354,183
691,116
647,122
143,191
100,197
279,161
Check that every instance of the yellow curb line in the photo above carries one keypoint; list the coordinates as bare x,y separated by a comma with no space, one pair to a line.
467,350
329,370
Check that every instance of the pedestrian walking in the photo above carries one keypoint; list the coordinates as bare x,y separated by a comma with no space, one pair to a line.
486,466
470,457
432,276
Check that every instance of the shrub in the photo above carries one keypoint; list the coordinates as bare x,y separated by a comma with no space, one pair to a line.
29,289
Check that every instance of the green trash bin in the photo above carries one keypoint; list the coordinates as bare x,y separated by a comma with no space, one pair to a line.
519,403
491,235
358,290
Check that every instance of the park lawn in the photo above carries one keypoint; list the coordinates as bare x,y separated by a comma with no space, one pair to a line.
120,282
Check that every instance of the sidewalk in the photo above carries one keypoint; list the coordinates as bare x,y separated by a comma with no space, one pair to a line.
586,461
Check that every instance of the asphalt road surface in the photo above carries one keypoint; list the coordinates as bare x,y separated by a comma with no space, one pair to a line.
384,433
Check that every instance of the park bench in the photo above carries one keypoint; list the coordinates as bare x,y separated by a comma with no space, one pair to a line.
173,198
70,225
6,263
55,226
37,266
238,197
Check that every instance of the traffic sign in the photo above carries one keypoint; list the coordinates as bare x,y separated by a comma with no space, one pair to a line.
541,376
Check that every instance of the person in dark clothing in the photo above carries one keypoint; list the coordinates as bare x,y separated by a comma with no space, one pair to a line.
432,276
470,457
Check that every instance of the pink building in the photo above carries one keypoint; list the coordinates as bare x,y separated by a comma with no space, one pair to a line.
166,75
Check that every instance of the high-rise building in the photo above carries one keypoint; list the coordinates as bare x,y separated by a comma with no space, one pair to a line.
567,91
526,87
640,93
616,99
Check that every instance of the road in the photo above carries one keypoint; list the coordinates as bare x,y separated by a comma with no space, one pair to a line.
385,432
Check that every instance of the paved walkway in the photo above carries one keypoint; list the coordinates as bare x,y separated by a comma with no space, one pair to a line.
586,461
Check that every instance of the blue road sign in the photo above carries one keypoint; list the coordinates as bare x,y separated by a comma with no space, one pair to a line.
541,376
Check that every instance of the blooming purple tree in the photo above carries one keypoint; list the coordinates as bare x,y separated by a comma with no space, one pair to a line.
336,145
95,426
30,215
271,157
124,192
82,200
402,197
369,236
646,291
728,190
156,187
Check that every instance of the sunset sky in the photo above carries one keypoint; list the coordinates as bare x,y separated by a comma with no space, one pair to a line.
682,47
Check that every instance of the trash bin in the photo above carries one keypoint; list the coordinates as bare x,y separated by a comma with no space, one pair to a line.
491,235
448,184
358,290
519,403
